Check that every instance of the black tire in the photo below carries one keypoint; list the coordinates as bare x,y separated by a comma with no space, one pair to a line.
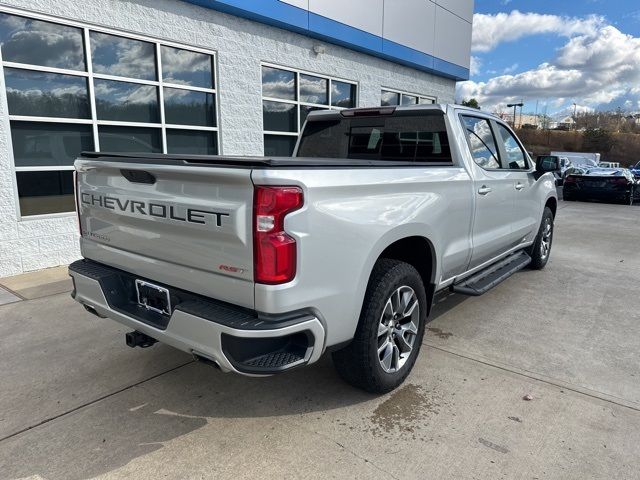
540,256
359,363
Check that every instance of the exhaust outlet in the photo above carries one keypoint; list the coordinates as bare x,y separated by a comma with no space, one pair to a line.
139,339
92,311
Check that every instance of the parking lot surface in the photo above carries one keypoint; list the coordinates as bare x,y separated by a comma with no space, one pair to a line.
76,403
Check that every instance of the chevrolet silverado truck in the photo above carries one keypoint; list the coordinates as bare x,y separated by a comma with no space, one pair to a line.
259,265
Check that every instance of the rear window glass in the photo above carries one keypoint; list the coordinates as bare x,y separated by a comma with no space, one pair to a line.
419,138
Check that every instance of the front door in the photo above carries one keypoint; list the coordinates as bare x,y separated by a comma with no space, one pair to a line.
494,190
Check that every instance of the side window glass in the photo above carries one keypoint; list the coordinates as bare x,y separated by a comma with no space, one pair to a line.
516,158
481,142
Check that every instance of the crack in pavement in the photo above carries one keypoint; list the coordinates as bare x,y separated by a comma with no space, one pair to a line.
93,402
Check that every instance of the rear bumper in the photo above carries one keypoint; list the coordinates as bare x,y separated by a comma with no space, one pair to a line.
236,339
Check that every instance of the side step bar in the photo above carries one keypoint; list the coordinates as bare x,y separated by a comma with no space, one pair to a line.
486,279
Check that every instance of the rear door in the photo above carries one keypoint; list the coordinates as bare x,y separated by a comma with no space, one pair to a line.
494,190
183,225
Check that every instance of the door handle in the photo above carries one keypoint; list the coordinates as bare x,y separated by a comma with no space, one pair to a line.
519,186
484,190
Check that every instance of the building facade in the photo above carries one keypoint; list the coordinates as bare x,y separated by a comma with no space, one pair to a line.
234,77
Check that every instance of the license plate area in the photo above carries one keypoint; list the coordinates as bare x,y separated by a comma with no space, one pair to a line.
153,297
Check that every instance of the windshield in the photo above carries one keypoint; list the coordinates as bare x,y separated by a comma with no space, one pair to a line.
406,138
587,162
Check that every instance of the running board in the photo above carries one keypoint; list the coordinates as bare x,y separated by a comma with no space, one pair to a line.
486,279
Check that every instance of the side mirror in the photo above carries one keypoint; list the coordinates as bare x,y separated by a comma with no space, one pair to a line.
548,164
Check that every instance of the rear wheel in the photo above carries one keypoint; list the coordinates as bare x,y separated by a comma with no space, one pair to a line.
389,332
541,248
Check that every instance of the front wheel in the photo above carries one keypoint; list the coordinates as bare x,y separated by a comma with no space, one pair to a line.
389,332
541,248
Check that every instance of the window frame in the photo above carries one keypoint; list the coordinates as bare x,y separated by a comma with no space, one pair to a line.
88,74
403,93
503,152
297,72
490,121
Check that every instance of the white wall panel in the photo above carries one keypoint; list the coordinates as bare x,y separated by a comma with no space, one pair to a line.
304,4
410,23
363,14
452,38
462,8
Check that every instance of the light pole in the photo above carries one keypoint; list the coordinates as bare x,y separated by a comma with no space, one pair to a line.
575,112
515,106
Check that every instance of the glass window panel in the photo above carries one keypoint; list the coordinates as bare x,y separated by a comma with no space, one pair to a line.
129,139
40,193
187,107
278,83
49,144
280,117
515,154
191,142
41,43
126,101
186,68
46,94
389,98
305,110
426,101
481,142
124,57
409,100
279,145
343,94
314,89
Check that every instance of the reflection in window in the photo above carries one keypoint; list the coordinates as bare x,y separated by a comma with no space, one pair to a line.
184,67
481,142
278,83
343,94
188,107
125,101
46,94
36,42
279,145
515,155
279,117
123,57
191,142
49,144
304,93
129,139
390,99
409,100
305,110
45,192
314,89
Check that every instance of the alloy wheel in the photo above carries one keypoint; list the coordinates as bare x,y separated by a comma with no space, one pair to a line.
398,329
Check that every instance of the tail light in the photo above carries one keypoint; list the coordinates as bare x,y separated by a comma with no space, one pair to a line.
570,179
76,193
621,181
274,251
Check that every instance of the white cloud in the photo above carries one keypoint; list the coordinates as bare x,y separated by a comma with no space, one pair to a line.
489,30
476,65
595,67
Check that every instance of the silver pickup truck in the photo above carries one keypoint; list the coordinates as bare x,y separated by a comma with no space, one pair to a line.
260,265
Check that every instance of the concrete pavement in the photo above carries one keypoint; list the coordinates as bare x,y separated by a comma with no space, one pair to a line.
76,403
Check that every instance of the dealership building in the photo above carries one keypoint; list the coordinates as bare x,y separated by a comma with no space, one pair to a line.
232,77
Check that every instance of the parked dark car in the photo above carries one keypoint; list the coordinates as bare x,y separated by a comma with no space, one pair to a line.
607,184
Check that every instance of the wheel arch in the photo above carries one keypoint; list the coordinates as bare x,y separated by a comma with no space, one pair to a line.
552,203
420,253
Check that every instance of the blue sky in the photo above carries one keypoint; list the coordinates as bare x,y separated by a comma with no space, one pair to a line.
556,53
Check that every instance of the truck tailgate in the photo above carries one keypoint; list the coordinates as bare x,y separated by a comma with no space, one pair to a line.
186,226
